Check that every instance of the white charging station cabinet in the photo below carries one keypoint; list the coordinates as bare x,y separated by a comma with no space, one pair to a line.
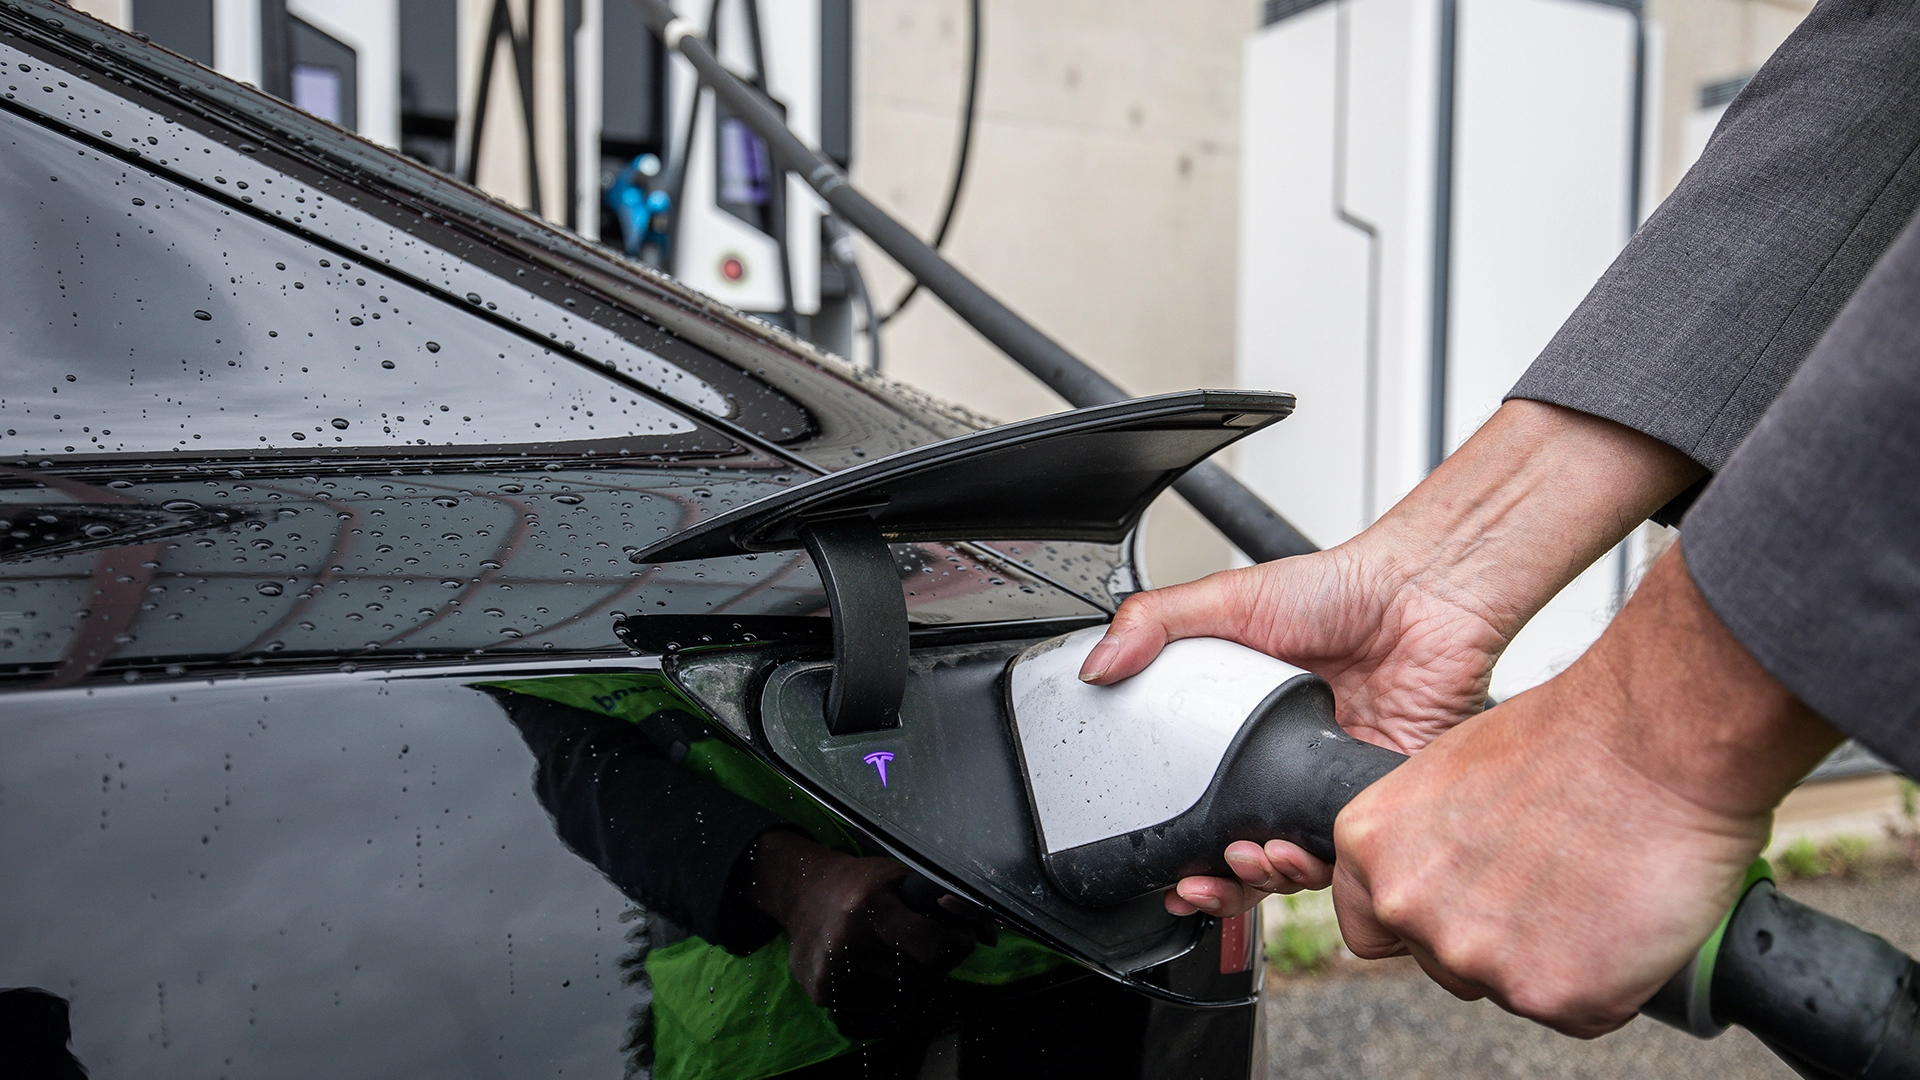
1428,189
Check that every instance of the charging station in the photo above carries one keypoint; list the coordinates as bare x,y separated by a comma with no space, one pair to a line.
563,101
744,230
1428,189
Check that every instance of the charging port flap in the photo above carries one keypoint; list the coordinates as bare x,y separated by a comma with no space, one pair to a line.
1082,475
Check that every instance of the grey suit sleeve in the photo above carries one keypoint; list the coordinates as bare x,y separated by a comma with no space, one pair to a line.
1714,304
1807,544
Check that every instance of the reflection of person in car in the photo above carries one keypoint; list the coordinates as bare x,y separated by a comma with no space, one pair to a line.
777,944
34,1033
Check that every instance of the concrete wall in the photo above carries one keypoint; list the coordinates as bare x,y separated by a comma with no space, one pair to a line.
1100,203
1699,42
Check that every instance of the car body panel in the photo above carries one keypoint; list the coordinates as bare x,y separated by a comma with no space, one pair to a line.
260,818
321,874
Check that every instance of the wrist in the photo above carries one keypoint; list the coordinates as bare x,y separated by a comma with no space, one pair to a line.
1525,505
1686,706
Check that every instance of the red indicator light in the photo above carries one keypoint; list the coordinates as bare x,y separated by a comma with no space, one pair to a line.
732,268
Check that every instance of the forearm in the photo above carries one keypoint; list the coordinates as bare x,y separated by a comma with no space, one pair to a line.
1681,702
1526,504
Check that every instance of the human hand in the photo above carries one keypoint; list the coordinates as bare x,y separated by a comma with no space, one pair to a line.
1406,620
857,949
1565,853
1408,657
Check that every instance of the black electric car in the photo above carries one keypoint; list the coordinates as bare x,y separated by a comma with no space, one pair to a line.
343,734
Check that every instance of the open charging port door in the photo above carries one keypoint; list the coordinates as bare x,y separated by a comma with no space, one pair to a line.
908,734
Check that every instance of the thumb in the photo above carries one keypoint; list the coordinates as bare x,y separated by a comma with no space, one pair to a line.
1148,621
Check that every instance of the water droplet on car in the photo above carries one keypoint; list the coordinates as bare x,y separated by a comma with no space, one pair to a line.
433,346
447,501
451,583
202,315
495,612
388,364
339,423
268,588
569,499
180,506
473,298
97,530
300,436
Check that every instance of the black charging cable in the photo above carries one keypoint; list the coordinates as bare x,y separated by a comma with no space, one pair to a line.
960,156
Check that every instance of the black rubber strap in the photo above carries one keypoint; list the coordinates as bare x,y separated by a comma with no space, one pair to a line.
869,611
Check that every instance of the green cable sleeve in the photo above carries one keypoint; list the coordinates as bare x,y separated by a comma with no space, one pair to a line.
1702,998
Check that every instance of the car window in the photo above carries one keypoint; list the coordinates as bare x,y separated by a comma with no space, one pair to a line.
456,244
147,319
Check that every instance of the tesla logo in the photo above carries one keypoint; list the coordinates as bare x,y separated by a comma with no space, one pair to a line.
878,759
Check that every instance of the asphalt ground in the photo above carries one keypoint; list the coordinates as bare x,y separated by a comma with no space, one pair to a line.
1385,1020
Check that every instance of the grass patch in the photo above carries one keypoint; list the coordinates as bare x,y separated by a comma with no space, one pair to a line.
1845,857
1303,936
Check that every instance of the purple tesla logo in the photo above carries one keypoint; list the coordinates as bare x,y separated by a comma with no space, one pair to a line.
878,759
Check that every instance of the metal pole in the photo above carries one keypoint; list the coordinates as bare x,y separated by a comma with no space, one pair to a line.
1238,513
